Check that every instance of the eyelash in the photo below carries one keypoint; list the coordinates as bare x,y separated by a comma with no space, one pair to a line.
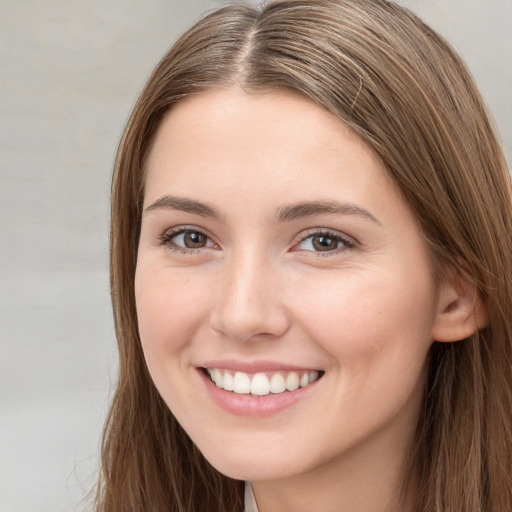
346,243
166,239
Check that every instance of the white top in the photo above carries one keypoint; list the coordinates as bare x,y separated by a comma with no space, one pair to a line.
249,500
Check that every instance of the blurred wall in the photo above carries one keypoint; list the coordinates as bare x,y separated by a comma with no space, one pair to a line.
70,72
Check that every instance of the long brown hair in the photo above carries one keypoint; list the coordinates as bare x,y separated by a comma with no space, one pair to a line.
404,91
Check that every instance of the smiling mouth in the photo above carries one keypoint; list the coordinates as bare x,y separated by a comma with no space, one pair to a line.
262,383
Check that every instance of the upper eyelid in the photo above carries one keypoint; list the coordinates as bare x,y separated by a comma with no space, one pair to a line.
184,228
305,234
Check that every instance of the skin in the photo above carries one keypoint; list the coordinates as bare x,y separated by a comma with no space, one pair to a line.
365,312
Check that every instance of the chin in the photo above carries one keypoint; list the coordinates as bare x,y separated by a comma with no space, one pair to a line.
250,471
257,467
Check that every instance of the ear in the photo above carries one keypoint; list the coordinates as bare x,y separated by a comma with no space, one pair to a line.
460,309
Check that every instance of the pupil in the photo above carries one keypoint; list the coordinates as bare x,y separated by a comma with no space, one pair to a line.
324,243
194,240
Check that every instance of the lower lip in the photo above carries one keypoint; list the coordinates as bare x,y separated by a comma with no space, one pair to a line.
254,406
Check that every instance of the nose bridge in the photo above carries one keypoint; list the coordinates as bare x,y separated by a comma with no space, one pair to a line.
249,303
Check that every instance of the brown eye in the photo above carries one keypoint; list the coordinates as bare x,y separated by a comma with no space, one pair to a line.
324,243
194,240
186,239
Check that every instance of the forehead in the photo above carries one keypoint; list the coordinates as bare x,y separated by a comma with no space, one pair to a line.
253,141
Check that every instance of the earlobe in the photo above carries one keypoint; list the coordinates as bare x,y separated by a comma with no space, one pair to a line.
460,310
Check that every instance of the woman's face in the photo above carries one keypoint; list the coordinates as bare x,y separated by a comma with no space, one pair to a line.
275,251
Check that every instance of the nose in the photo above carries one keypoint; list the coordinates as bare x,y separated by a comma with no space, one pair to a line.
250,301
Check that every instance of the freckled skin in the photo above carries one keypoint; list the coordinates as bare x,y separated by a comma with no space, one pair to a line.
259,290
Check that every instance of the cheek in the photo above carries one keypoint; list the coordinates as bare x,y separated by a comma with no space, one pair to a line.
378,338
362,322
169,308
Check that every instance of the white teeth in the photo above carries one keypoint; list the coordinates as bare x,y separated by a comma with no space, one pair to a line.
277,384
312,376
218,378
241,383
228,382
260,385
292,381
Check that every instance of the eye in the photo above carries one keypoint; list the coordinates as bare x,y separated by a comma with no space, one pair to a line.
324,242
186,239
190,239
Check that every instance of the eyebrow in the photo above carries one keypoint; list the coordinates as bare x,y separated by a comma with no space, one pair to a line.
308,209
284,213
184,204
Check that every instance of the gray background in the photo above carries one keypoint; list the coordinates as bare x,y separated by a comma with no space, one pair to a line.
70,71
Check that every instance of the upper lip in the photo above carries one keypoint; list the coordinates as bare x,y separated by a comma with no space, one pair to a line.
254,366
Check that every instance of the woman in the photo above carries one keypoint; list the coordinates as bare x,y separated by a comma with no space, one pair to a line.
311,272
